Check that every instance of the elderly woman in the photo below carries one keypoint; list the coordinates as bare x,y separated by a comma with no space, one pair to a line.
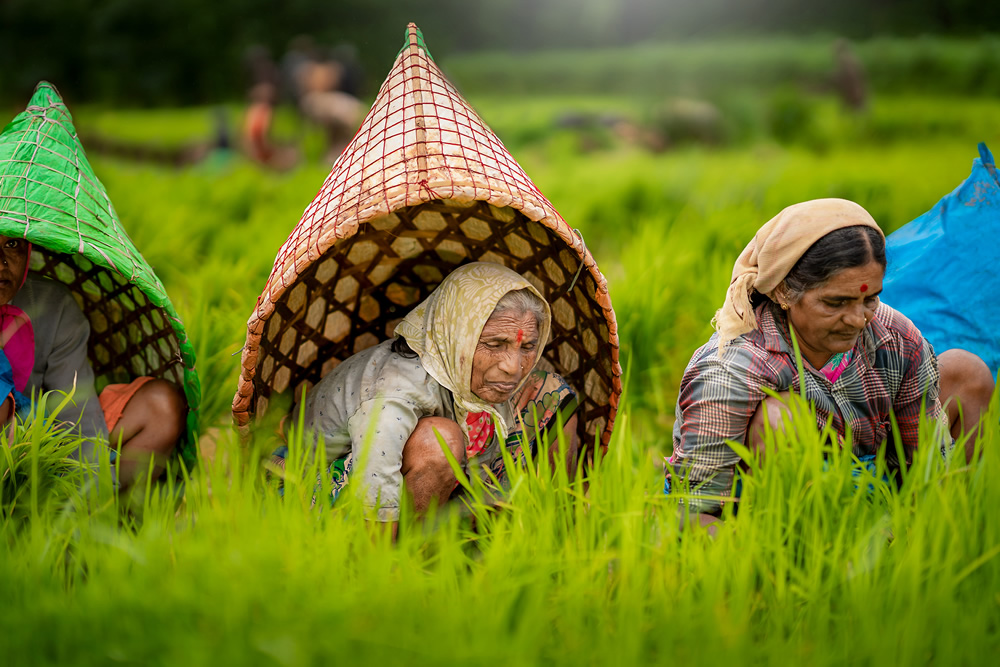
43,347
462,367
816,268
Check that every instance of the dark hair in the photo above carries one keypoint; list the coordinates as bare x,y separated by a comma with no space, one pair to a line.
844,248
402,348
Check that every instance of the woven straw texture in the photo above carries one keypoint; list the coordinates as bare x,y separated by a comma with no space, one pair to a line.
424,187
50,196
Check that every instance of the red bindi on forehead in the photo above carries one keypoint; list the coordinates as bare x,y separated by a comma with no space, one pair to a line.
520,335
864,287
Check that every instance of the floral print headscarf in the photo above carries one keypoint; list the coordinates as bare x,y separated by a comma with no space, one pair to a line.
444,331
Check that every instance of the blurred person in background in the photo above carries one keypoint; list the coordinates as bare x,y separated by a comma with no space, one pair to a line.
817,267
302,52
849,78
323,103
260,66
352,75
257,141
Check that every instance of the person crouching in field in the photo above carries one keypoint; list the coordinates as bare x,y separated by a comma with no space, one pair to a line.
463,367
817,267
44,347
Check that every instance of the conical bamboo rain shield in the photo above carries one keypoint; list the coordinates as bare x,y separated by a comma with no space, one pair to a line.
424,187
50,196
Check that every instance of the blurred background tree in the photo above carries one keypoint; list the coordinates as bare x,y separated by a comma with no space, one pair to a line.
151,52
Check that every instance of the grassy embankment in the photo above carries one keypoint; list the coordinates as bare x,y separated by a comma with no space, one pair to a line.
812,572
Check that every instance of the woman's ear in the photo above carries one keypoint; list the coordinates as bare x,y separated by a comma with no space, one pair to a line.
780,296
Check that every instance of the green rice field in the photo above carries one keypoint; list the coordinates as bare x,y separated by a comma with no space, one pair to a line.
820,567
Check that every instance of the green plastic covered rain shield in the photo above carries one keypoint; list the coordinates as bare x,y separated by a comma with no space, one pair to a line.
50,196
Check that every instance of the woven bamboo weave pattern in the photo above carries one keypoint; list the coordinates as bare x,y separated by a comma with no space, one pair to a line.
50,196
130,335
424,187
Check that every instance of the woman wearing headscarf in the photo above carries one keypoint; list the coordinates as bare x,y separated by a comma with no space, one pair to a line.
463,365
44,347
815,268
17,337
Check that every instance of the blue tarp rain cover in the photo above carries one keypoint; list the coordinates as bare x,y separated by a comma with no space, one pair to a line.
944,267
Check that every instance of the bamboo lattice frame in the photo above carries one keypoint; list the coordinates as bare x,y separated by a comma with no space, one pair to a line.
424,187
130,336
50,196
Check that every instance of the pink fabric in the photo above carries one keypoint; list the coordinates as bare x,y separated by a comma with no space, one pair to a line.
17,340
832,373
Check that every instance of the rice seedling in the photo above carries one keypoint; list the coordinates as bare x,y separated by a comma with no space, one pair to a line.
824,563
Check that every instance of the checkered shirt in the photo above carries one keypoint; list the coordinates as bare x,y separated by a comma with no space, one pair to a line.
892,370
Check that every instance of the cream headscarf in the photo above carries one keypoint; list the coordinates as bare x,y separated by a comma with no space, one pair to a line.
444,330
772,253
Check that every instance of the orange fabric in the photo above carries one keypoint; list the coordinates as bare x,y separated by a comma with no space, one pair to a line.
258,125
115,397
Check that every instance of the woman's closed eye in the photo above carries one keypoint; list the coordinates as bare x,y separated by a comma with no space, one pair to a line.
870,302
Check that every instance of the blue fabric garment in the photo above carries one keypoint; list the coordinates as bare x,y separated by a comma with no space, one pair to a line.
6,377
943,267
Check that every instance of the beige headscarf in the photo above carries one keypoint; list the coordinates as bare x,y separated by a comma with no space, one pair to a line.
772,253
444,330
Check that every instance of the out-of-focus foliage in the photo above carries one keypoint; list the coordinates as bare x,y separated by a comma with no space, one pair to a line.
718,67
185,51
664,226
820,567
